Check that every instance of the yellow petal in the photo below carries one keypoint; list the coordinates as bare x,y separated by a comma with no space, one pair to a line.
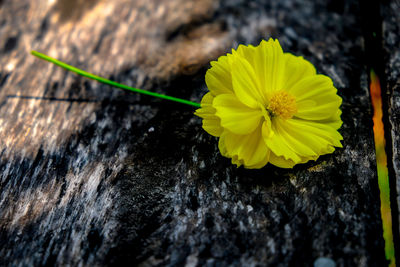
280,161
236,161
222,147
334,121
296,69
248,52
270,64
249,150
298,141
319,112
252,55
218,77
266,128
316,135
212,126
245,82
211,123
278,145
235,116
311,86
316,98
307,142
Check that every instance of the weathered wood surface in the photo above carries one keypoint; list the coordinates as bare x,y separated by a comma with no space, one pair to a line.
94,175
391,43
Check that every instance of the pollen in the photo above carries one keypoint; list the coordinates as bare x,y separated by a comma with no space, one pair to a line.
282,104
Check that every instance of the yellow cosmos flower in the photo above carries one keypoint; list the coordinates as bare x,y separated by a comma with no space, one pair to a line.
269,106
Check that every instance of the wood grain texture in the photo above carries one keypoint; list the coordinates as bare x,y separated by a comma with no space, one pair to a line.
91,175
391,40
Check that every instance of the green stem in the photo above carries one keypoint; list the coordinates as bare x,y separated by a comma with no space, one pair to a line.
112,83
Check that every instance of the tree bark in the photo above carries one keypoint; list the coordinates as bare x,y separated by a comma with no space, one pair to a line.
391,90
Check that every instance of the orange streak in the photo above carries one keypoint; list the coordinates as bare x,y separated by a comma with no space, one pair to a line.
381,163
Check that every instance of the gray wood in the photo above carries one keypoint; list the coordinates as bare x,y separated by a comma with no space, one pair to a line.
93,175
391,40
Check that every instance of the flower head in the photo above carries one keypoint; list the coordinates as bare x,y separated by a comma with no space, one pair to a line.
269,106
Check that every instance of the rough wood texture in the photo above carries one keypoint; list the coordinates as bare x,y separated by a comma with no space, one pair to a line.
94,175
391,30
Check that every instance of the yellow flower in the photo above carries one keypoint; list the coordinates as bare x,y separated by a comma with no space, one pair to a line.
269,106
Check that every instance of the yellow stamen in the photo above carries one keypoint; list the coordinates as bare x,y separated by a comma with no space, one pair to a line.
282,104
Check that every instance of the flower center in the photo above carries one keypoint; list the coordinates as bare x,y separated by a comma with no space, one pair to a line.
282,104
